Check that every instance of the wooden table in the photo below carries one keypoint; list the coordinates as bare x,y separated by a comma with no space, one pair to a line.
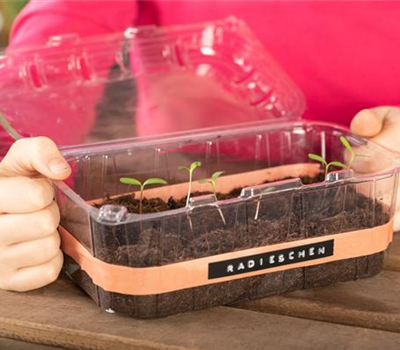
362,314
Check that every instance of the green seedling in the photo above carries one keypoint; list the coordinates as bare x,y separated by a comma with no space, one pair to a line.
134,182
269,189
347,145
320,159
212,182
190,170
353,155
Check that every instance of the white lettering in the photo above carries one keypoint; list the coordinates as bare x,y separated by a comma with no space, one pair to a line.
321,251
273,259
301,254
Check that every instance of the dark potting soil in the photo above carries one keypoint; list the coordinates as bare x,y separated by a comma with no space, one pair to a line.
156,205
281,218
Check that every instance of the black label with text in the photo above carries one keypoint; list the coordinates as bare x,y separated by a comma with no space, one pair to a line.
271,259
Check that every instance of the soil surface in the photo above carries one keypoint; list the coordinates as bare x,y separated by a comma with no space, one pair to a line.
156,205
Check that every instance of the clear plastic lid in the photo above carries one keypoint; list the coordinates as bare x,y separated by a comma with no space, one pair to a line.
145,81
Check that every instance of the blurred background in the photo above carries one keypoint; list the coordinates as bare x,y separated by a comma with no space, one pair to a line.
8,10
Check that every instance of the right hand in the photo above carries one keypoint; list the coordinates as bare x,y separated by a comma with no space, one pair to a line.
30,255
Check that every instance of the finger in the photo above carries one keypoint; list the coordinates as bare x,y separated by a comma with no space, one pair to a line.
367,123
34,277
389,135
32,156
18,228
381,124
24,195
30,253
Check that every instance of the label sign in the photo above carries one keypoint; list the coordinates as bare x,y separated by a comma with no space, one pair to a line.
271,259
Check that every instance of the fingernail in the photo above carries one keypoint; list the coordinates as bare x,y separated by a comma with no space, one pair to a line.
58,166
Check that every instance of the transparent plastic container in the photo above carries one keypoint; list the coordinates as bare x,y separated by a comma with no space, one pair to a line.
271,229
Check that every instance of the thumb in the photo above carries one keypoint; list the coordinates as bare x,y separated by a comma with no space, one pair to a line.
367,123
33,156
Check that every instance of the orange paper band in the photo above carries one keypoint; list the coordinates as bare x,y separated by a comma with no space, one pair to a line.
194,273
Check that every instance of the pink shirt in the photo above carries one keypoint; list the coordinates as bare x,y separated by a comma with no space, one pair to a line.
343,55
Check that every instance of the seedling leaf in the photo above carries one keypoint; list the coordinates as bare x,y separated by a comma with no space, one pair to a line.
203,181
338,164
216,175
155,181
134,182
183,168
346,144
317,158
194,165
130,181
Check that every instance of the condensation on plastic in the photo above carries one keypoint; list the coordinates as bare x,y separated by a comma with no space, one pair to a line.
146,81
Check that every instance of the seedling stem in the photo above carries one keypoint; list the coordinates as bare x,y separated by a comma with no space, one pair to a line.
212,182
190,170
269,189
347,145
323,161
134,182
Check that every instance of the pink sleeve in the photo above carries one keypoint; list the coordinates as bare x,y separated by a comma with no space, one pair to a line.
66,115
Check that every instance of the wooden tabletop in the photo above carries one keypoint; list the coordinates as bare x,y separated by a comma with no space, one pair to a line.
363,314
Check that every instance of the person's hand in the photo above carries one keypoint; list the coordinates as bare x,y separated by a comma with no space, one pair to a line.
382,125
30,255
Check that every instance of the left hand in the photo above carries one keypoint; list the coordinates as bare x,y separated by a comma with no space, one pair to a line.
381,125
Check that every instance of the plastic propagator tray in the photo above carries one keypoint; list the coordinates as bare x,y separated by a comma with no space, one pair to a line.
144,103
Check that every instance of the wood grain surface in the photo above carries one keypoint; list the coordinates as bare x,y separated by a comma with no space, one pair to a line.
362,314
